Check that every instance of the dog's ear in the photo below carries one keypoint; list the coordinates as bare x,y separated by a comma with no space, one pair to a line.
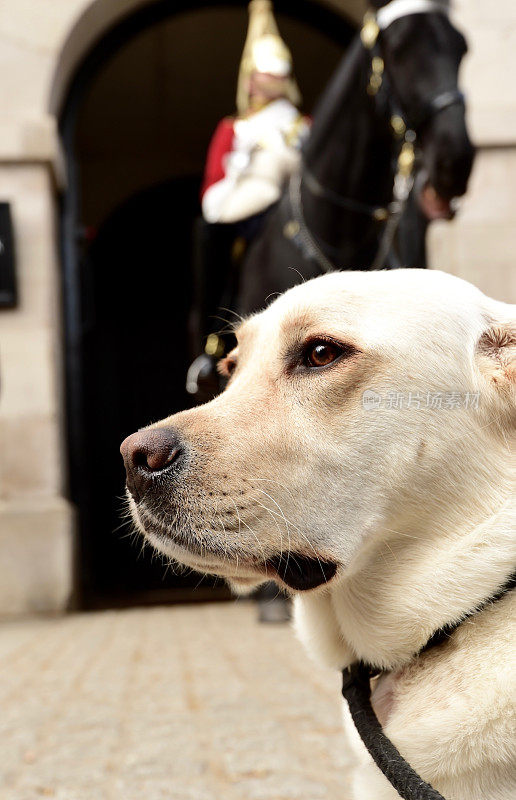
496,351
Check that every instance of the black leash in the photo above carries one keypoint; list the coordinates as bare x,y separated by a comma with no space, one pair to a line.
356,690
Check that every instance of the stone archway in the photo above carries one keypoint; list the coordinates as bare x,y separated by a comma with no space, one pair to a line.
43,47
94,19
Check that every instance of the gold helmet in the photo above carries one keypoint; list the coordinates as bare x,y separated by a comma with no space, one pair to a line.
264,51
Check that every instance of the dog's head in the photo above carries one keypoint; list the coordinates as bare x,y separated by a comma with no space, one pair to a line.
355,402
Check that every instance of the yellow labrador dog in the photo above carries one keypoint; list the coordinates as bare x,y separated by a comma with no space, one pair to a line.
362,455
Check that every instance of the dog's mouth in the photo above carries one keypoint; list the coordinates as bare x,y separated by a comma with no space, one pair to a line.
301,573
295,570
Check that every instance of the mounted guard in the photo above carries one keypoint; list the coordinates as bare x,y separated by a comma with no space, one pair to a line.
388,152
252,154
250,159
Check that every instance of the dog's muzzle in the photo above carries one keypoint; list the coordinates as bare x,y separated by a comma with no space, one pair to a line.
156,462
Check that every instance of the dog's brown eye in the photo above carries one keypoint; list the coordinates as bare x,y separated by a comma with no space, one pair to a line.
320,354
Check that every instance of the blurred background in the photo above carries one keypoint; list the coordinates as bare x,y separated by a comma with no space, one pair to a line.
107,110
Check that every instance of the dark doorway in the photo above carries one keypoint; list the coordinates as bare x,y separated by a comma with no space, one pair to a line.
135,129
136,285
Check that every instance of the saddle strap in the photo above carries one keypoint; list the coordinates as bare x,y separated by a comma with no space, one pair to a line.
356,691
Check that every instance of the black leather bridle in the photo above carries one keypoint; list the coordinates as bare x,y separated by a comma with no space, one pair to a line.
381,87
439,102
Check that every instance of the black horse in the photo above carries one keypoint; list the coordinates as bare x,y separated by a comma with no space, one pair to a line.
356,204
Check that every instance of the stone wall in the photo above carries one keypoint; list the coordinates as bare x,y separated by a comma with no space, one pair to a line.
40,46
480,243
35,522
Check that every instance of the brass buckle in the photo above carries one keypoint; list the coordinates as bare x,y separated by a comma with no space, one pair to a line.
376,77
406,159
370,30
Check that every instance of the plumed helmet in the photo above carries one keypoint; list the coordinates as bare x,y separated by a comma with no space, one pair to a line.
266,52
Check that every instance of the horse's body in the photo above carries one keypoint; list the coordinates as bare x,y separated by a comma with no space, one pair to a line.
351,155
358,166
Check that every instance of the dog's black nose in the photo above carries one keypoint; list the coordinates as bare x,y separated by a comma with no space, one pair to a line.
149,453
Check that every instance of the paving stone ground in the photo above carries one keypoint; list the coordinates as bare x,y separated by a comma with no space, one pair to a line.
168,703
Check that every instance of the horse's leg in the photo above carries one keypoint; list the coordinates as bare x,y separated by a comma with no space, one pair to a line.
411,238
212,267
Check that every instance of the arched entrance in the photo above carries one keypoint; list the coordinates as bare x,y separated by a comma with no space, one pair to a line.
135,126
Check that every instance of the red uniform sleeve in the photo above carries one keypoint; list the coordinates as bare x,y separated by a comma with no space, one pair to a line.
221,143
